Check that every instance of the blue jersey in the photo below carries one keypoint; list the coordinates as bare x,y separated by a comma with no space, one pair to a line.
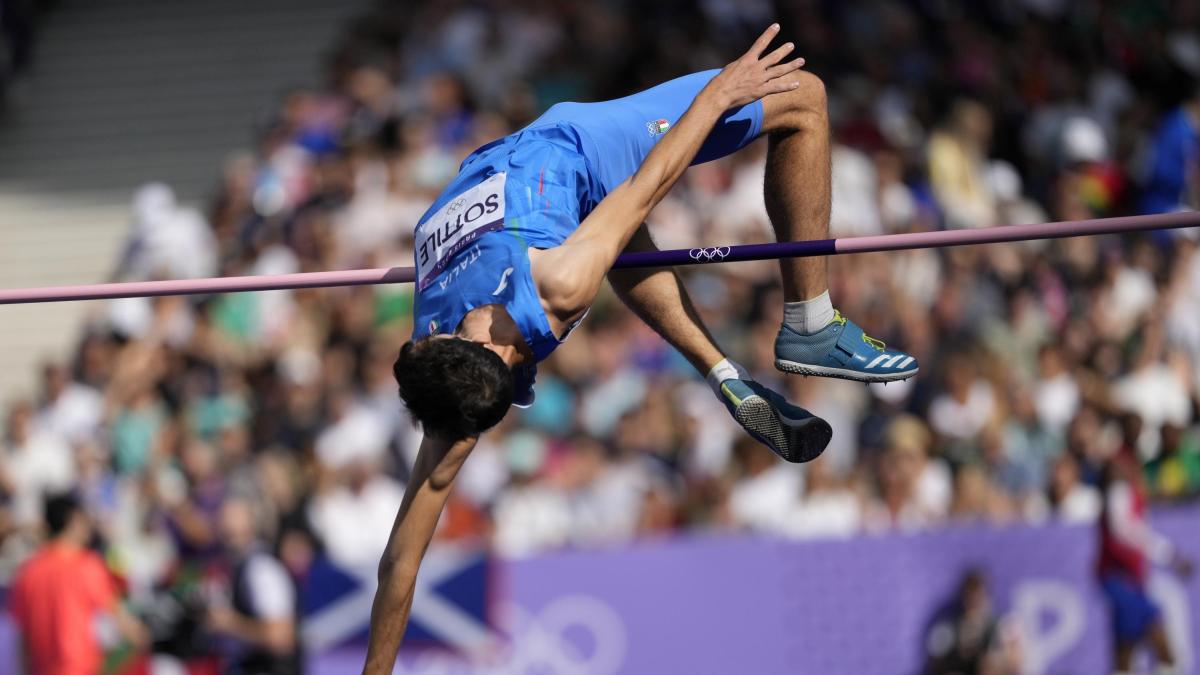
532,189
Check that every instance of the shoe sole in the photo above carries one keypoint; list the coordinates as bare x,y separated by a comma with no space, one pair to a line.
796,442
840,373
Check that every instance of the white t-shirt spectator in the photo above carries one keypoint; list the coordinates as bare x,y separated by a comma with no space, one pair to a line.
1157,395
608,508
74,415
269,588
935,488
360,435
765,502
41,465
355,525
963,419
529,519
1056,400
826,514
1081,506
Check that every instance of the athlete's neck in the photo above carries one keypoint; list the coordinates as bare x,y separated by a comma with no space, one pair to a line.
493,327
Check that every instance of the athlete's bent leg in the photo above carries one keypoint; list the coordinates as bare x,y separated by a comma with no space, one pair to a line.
659,298
797,188
814,339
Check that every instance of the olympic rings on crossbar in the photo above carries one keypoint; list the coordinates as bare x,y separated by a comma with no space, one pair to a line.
707,254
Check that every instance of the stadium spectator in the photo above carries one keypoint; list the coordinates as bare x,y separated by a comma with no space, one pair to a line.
967,636
1070,500
35,464
262,617
1175,473
958,166
60,591
70,410
1173,181
1128,548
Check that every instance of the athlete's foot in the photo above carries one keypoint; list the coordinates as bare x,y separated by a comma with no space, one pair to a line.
790,431
841,349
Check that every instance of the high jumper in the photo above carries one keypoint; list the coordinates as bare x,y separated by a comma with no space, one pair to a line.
516,248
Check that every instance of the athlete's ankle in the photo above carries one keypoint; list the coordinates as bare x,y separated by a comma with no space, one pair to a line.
809,316
727,369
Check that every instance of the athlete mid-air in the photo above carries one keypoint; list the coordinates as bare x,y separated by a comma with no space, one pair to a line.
514,251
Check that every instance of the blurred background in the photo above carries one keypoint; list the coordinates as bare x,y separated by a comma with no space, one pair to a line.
240,458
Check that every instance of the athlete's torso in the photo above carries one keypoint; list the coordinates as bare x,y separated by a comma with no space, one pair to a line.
527,190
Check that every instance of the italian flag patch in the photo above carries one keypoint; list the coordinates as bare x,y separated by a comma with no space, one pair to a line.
658,127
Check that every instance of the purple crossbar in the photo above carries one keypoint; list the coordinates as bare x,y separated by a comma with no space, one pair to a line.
695,256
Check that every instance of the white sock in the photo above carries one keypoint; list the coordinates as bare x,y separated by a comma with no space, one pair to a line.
808,316
725,370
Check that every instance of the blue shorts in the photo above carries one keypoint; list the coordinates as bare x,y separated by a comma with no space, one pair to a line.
561,165
1133,612
618,134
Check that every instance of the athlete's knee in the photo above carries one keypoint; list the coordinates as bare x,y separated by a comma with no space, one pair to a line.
804,107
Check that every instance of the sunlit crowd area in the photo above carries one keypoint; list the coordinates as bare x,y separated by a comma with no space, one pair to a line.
1038,360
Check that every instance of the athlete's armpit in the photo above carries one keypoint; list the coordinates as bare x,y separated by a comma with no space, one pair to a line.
566,278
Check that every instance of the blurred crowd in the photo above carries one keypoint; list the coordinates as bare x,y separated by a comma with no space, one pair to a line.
1039,360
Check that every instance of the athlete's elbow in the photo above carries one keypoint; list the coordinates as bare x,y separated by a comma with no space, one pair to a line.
390,569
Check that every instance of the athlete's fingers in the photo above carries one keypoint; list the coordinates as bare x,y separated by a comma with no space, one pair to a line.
777,55
781,85
760,45
785,68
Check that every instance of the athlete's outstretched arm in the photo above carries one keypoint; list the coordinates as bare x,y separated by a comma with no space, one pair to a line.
569,276
433,475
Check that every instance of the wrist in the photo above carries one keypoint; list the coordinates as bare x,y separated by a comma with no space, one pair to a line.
712,98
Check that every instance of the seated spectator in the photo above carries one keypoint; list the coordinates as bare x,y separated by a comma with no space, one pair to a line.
262,616
967,636
354,517
1175,473
532,514
70,410
827,507
1174,156
34,463
914,490
767,492
1070,500
958,166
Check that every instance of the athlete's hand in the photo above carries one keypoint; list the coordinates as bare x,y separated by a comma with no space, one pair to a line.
754,75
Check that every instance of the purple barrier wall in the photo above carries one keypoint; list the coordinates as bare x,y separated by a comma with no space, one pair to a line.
739,604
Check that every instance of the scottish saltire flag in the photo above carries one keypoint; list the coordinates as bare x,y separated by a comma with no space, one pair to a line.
450,605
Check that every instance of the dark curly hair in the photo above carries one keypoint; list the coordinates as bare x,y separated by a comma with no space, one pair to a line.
453,388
